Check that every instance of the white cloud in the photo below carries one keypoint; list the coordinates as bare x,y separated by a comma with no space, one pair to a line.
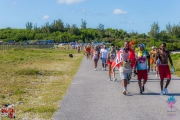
69,1
46,17
119,11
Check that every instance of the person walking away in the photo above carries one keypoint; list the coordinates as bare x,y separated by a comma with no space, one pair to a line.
95,57
111,57
143,58
164,72
78,47
104,55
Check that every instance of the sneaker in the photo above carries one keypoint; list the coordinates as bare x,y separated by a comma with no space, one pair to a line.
102,69
142,88
165,90
115,79
140,92
95,69
124,92
109,79
161,93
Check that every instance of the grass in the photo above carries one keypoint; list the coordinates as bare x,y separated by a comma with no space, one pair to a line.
35,80
176,62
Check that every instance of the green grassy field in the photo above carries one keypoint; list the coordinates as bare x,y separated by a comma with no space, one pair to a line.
35,80
176,62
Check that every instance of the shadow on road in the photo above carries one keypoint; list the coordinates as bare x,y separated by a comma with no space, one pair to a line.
152,93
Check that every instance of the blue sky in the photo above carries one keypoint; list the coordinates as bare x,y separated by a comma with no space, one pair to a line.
129,15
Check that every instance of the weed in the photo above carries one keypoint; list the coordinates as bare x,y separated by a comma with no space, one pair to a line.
36,79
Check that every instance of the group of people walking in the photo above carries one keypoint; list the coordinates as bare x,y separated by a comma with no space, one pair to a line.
129,60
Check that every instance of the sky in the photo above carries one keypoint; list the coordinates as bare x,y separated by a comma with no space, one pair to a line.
129,15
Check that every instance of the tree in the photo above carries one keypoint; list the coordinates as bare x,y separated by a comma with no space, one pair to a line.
58,25
74,30
154,30
83,24
29,25
101,27
169,29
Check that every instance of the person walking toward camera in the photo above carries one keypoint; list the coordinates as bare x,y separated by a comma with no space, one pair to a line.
104,55
125,68
164,72
143,59
111,57
95,57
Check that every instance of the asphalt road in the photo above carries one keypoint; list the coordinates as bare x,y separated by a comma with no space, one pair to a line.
92,97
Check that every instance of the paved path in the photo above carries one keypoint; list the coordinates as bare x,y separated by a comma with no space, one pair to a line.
92,97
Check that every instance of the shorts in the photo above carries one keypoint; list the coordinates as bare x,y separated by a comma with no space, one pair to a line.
125,76
164,72
88,53
151,61
103,60
142,74
109,63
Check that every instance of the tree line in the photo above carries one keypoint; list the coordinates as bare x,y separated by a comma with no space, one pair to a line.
61,32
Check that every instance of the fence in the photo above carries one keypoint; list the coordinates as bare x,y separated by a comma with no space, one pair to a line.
7,47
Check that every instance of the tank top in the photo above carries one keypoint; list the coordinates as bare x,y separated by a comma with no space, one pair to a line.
112,56
95,56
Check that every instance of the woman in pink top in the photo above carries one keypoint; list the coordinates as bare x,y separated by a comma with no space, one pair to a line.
95,57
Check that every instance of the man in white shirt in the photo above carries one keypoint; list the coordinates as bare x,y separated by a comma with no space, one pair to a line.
104,55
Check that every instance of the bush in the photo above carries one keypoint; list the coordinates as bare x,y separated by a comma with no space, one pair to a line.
170,46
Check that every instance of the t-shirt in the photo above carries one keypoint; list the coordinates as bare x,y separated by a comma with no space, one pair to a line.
104,53
142,60
125,67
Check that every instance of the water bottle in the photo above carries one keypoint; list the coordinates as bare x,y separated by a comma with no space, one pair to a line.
172,70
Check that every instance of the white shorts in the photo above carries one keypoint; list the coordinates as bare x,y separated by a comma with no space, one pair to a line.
125,76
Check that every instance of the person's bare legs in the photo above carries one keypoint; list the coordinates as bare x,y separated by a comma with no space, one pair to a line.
109,68
95,64
124,85
140,86
161,84
114,79
167,83
156,67
165,88
144,82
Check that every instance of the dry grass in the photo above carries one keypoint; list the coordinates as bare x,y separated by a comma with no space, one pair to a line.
36,80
